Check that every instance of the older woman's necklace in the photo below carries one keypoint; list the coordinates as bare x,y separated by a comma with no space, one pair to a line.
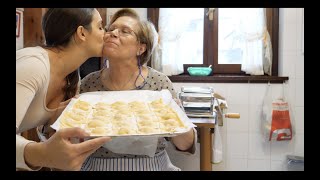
117,88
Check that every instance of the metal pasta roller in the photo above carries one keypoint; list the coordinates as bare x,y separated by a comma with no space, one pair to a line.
197,101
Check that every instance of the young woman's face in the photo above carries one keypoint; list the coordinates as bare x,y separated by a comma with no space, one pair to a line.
95,37
120,41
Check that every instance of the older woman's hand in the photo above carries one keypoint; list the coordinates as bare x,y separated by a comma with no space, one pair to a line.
58,152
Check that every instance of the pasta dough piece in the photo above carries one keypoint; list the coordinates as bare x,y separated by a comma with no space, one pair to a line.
168,116
126,131
154,124
162,111
102,113
142,111
80,112
170,122
100,131
148,130
123,123
95,123
125,112
148,117
75,117
118,104
82,105
66,122
102,105
169,129
137,104
157,102
119,117
105,119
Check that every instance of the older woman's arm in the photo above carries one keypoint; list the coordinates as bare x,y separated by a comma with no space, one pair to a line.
185,141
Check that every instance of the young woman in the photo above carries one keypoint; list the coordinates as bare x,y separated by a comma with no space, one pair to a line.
46,78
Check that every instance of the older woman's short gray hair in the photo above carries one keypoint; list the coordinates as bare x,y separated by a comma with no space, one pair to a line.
147,35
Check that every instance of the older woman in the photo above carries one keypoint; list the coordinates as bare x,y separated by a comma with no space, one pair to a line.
129,44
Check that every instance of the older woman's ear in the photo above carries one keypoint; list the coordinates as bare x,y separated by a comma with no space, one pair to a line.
142,49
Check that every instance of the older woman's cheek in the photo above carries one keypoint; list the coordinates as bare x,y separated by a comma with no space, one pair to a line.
104,50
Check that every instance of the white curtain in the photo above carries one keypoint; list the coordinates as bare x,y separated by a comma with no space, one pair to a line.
256,46
176,40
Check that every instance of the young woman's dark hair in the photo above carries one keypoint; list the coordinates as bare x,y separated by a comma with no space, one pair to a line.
59,26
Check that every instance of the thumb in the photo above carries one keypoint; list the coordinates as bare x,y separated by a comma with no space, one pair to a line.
72,132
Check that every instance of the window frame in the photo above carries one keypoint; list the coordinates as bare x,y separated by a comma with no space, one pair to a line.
227,72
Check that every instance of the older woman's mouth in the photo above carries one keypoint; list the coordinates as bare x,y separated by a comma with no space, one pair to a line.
111,43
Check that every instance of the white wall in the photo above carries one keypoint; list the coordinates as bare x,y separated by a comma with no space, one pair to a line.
19,40
243,146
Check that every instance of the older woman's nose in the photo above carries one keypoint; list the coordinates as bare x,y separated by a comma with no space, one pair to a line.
114,33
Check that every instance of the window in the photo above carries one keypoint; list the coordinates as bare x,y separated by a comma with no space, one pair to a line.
224,54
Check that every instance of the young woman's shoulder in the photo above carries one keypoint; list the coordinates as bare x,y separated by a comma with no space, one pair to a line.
32,64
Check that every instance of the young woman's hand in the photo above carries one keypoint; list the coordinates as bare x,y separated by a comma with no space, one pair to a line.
58,152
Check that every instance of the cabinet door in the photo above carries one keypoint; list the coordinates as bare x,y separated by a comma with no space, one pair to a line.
32,30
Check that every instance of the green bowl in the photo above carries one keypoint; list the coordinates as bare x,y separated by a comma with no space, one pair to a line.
199,71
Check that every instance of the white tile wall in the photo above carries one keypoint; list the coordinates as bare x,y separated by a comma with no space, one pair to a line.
279,149
243,146
289,60
277,166
237,164
299,119
299,92
299,144
258,165
254,118
289,43
299,66
258,148
241,124
256,94
289,16
300,29
238,94
238,145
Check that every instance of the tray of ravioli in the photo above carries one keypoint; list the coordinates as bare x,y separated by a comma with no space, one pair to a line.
125,113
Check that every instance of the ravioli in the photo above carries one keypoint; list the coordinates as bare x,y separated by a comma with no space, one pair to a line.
122,118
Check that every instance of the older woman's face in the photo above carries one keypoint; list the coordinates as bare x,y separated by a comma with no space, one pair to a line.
120,41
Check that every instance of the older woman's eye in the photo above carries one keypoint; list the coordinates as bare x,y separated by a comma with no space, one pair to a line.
126,31
110,29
